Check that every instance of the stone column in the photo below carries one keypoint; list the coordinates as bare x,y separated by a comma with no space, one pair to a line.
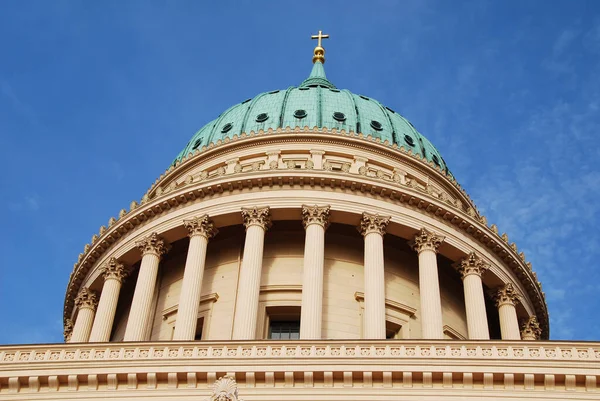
471,269
372,227
426,244
152,248
201,230
86,303
257,221
315,220
114,273
530,329
506,298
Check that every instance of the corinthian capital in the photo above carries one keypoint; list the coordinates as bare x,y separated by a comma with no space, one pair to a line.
426,241
68,331
505,295
530,329
114,270
153,244
373,223
255,216
86,299
201,225
315,215
472,264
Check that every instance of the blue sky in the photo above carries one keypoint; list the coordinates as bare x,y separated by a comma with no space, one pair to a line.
97,98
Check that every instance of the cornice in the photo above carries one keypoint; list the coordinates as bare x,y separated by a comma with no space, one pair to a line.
467,220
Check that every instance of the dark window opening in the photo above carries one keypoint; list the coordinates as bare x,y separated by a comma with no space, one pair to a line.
199,327
392,330
284,322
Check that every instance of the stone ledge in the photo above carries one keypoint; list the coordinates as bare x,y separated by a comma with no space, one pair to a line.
567,370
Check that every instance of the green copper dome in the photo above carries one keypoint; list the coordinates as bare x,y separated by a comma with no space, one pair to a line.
315,103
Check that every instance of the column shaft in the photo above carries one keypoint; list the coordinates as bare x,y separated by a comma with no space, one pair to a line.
139,315
506,298
189,300
83,325
246,310
509,323
107,307
374,320
475,308
312,282
429,288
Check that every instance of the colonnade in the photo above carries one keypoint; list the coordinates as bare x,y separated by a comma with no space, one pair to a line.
95,318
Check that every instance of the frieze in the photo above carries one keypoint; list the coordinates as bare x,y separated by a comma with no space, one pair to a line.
455,349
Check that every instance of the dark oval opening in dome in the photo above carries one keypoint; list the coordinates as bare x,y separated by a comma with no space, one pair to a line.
376,125
262,117
409,140
226,128
300,113
339,116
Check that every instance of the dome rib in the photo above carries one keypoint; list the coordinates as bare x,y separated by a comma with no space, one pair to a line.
357,117
283,104
247,113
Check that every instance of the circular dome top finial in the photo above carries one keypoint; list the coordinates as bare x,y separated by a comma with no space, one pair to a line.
319,50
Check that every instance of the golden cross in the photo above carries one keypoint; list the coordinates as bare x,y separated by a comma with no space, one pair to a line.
319,37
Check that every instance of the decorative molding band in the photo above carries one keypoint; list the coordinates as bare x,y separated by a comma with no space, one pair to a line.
280,288
29,356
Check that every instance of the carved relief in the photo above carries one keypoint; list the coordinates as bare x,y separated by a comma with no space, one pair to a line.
256,216
86,299
201,225
472,264
315,215
153,244
530,329
114,270
68,331
225,389
373,223
426,241
505,295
